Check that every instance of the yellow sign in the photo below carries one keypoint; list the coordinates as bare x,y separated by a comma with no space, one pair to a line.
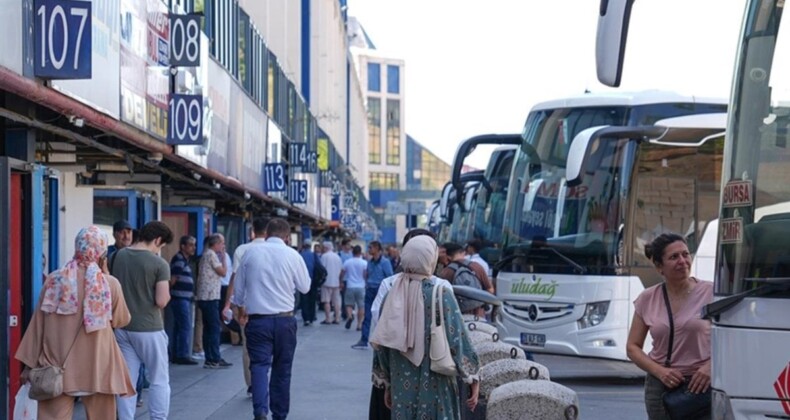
323,154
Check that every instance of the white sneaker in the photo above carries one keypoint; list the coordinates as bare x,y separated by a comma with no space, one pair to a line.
199,355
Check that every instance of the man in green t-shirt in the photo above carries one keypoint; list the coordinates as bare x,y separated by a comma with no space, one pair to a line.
145,280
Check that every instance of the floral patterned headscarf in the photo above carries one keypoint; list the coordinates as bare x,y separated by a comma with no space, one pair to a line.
60,288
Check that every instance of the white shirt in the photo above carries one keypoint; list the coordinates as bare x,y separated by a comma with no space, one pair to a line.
269,273
384,288
354,269
478,259
333,264
228,273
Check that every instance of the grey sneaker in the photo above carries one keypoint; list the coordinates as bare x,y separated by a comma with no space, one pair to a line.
222,364
210,365
360,346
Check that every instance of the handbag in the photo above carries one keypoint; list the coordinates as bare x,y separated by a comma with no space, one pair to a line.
441,359
46,382
680,403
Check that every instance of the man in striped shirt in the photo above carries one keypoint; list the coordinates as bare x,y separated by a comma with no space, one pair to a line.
182,287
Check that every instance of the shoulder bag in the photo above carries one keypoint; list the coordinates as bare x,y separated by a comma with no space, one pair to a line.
319,272
441,359
46,382
680,403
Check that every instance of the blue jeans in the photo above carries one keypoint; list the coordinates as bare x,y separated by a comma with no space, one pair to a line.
180,308
209,309
370,296
271,343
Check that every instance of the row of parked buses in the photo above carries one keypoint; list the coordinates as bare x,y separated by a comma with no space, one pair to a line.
566,207
750,336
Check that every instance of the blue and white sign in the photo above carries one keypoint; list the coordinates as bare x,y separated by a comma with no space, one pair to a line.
311,166
336,207
297,154
62,39
185,120
298,192
184,40
274,177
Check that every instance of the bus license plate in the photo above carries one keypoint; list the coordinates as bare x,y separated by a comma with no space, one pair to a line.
536,340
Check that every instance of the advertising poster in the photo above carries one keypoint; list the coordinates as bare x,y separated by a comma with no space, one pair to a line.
254,140
235,139
144,48
106,61
218,120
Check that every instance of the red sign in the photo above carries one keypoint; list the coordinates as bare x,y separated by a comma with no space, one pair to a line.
731,231
737,194
782,387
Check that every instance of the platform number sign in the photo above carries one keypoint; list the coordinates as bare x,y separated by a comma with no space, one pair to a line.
184,40
185,120
62,39
312,162
298,192
297,154
274,177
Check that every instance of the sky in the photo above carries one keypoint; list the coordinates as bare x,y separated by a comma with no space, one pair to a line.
477,67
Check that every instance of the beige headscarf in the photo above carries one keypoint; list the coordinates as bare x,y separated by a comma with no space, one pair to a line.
402,323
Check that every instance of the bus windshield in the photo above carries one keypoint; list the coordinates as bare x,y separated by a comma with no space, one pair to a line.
577,223
755,225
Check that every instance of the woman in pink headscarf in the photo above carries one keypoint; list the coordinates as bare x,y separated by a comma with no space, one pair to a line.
72,328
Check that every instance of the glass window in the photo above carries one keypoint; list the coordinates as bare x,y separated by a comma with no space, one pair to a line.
393,79
374,77
393,132
244,56
270,87
374,130
384,181
434,172
108,210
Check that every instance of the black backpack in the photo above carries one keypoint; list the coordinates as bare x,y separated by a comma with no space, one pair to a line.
319,272
464,276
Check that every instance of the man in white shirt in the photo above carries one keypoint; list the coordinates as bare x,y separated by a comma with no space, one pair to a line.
330,290
258,235
353,277
269,274
473,248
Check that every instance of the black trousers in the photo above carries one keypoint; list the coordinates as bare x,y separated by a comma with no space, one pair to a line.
307,304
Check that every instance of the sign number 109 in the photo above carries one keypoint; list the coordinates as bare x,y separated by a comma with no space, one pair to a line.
63,39
186,120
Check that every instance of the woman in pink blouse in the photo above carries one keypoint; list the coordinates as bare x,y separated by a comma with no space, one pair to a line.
690,358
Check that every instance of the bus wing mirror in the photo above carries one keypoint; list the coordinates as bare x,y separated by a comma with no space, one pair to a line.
610,40
586,141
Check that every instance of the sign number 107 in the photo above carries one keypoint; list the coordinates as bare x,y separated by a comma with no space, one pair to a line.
63,39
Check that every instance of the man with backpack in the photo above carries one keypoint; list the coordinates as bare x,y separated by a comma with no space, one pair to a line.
461,272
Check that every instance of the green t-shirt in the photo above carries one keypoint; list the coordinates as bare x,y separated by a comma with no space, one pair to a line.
138,271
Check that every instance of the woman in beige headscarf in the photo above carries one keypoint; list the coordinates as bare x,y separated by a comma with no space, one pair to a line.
401,339
72,328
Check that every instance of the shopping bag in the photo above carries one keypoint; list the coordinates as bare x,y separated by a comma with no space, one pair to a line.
24,407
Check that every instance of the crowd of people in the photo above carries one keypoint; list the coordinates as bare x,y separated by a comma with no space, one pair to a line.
101,318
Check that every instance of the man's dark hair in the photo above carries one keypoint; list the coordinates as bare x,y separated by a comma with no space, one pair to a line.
357,250
475,244
416,232
156,229
186,239
452,248
278,228
345,242
259,225
375,244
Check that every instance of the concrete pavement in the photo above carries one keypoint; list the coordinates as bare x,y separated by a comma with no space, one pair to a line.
330,381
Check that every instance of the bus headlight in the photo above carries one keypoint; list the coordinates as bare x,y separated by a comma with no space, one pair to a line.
720,406
594,314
